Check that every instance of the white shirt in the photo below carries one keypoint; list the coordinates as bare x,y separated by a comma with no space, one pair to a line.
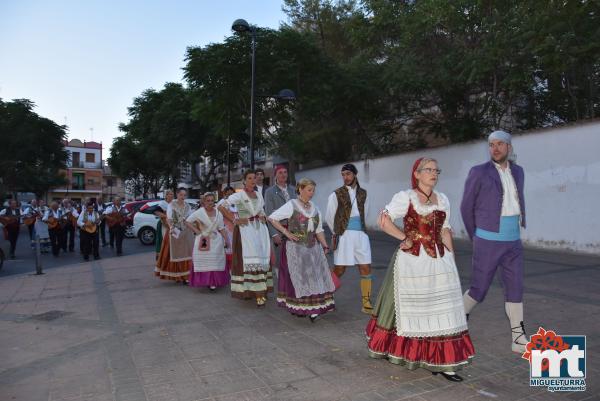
332,205
510,201
287,210
112,209
51,213
90,216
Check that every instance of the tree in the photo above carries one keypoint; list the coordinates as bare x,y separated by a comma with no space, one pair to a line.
33,154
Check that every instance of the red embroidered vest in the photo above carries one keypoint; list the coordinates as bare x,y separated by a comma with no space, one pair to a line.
424,230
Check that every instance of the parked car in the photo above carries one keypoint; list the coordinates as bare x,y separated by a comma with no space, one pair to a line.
133,207
145,221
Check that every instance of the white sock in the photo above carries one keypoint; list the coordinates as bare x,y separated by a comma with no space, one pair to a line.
468,302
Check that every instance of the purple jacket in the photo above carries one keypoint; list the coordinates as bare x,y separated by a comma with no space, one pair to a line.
481,205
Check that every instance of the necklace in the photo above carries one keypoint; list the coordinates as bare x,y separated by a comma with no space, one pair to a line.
305,204
428,201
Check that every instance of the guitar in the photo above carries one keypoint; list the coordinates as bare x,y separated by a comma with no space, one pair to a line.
116,218
53,223
9,220
31,218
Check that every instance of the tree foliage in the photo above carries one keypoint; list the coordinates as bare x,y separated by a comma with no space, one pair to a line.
376,76
32,151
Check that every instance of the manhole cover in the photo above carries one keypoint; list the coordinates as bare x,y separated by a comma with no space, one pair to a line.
50,315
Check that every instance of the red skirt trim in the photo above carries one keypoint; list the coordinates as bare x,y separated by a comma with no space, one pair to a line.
439,353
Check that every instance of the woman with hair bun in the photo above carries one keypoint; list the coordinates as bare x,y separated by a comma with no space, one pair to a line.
305,287
251,275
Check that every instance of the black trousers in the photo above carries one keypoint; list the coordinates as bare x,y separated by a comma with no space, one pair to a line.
30,228
56,240
118,233
103,232
90,243
13,236
69,233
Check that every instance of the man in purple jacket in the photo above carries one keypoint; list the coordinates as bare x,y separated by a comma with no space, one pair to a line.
493,211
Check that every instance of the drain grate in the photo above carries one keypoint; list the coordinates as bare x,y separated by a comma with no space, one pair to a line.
50,315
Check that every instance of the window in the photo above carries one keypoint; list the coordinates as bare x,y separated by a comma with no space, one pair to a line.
77,181
75,159
90,158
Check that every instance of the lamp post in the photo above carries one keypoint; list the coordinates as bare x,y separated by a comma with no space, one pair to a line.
241,26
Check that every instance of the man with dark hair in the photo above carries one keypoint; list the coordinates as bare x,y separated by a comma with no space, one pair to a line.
346,212
116,215
260,179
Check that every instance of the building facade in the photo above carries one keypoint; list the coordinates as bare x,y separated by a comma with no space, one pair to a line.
112,186
84,172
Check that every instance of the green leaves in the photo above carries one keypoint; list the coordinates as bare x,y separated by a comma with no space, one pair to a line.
32,153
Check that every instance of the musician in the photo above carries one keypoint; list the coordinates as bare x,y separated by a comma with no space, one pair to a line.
70,214
11,221
53,218
100,209
88,223
115,216
30,212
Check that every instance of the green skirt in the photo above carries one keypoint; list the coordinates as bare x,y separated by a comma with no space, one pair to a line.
436,353
159,237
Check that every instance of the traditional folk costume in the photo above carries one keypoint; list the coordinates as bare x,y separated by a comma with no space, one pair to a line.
89,240
162,228
56,234
175,259
346,213
117,231
276,197
493,211
40,229
419,319
71,216
304,284
251,275
11,230
209,263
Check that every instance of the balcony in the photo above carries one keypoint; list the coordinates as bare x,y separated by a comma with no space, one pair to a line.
80,164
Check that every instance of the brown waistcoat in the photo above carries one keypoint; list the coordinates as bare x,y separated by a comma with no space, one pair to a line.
342,214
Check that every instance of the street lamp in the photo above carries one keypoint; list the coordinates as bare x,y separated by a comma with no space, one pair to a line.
241,26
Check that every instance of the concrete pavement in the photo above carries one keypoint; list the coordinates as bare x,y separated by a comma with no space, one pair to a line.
109,330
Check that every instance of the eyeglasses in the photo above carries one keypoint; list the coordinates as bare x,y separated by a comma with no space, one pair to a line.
431,170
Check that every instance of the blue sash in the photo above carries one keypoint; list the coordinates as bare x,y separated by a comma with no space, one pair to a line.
354,224
510,230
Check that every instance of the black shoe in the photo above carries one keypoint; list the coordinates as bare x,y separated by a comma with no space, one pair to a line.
119,253
86,258
452,378
71,250
97,257
467,317
12,256
103,245
313,318
112,246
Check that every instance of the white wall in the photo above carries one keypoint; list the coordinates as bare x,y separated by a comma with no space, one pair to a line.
562,183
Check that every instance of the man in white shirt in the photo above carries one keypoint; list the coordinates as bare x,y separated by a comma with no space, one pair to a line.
89,240
118,225
69,229
56,233
346,213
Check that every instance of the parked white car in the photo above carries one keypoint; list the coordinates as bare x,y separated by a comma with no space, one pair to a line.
145,223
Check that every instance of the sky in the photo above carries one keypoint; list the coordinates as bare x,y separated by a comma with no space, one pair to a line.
83,62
